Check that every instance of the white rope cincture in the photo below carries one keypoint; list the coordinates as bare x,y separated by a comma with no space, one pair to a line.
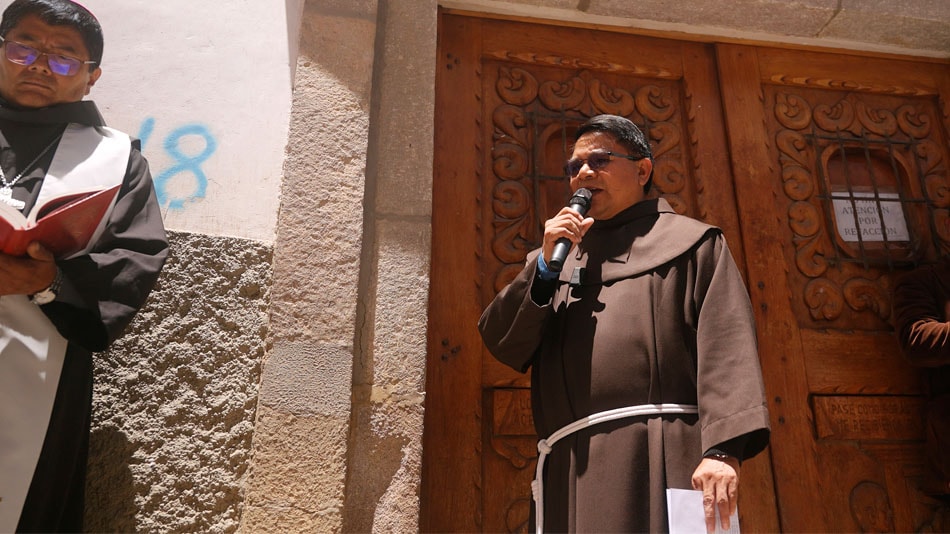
544,445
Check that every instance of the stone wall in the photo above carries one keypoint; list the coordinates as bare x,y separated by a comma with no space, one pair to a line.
303,425
175,398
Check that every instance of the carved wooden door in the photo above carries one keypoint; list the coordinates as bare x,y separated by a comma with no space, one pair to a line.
841,175
828,174
509,96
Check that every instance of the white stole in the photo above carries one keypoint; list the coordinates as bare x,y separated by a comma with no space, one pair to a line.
31,349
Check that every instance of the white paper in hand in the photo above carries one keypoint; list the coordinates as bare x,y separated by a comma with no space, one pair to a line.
685,510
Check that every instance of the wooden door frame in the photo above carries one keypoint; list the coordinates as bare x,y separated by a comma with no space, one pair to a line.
453,347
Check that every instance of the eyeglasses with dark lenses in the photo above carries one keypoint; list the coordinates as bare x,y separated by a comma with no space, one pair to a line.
22,54
595,162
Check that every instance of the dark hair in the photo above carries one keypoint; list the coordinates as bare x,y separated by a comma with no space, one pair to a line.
58,13
625,132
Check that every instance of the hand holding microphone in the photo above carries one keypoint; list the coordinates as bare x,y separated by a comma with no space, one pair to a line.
567,228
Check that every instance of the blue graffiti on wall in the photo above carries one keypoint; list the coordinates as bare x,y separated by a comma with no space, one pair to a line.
182,163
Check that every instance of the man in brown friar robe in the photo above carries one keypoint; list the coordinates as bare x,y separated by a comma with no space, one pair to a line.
55,310
649,308
922,324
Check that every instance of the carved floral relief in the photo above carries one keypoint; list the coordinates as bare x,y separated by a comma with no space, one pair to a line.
534,112
865,188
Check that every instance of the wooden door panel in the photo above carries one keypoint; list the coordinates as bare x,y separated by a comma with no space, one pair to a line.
535,94
844,363
780,343
841,175
845,409
509,465
820,148
866,74
509,96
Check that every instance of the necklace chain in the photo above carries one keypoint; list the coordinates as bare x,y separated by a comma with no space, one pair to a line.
3,176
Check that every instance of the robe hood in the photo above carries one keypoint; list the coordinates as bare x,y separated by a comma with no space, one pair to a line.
614,249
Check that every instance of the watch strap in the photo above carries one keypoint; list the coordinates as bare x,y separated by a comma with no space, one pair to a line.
49,294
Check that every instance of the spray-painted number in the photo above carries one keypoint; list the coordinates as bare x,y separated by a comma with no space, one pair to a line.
183,167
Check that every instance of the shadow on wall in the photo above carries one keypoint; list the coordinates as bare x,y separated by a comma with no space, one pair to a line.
110,488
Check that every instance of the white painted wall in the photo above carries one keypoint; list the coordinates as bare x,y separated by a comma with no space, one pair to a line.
207,87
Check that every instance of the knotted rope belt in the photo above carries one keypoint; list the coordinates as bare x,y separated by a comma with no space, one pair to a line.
544,445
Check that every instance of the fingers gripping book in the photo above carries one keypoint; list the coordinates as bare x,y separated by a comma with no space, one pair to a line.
63,224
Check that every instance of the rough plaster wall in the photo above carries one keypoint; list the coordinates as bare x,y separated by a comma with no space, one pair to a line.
175,397
300,441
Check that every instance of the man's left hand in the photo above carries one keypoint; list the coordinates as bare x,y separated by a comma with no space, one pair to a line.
718,478
25,275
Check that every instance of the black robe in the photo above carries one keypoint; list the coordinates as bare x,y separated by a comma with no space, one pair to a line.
657,313
101,293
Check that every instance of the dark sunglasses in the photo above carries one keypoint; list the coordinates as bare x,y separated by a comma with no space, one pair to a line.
22,54
595,162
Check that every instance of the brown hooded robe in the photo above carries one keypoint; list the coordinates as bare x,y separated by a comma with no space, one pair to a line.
656,313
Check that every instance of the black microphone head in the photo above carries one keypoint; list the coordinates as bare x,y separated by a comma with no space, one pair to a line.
581,198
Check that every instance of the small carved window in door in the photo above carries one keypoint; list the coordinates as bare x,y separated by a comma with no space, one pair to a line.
871,200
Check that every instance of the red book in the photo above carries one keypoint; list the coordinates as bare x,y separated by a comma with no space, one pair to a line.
64,224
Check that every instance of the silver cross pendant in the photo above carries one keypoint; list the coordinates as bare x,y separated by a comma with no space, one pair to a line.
6,196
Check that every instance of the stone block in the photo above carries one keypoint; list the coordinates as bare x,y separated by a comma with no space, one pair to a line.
773,16
308,379
402,290
403,120
904,30
299,473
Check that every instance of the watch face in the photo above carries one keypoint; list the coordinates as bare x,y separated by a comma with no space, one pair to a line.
43,297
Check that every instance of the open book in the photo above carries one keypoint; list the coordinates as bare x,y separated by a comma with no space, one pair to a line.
64,224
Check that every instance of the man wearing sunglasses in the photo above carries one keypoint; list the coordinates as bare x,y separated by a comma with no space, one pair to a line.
648,317
55,310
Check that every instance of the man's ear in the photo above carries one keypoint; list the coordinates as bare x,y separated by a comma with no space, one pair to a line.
644,168
93,77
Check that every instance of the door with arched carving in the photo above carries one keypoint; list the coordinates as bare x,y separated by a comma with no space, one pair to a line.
776,177
509,96
842,165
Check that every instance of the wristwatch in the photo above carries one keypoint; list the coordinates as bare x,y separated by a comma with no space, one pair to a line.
49,294
717,454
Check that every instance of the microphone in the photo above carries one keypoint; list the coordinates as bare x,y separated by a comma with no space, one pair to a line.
580,203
